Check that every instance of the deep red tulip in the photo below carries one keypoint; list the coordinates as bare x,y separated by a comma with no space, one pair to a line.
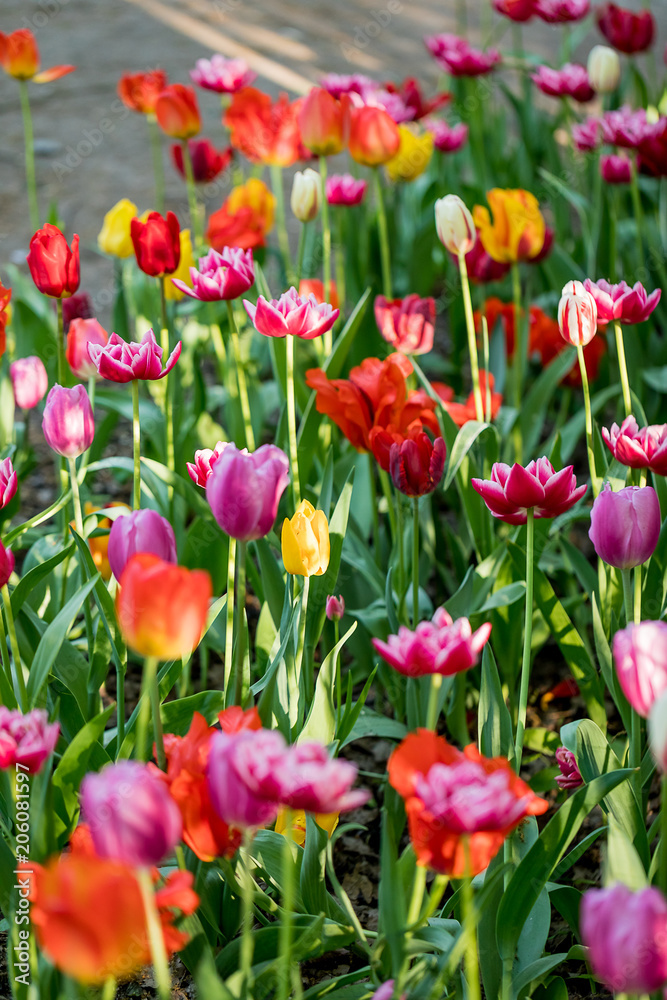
54,265
157,243
625,30
417,464
516,10
207,162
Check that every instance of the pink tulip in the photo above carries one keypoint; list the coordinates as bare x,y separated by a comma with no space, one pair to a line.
308,778
562,11
224,76
465,798
640,657
8,482
626,936
587,135
447,138
29,381
458,57
335,608
123,361
615,169
570,775
407,324
344,189
26,739
221,276
131,815
81,333
291,314
624,127
569,81
638,449
244,490
441,646
625,526
140,531
511,492
577,315
68,423
205,459
239,765
622,303
6,564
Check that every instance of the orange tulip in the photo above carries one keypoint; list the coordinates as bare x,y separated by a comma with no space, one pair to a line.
162,608
263,131
5,314
245,218
374,136
324,122
313,286
19,57
518,229
177,111
140,91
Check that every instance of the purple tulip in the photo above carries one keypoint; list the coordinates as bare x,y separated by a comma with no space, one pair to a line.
205,459
244,490
8,482
291,315
123,361
441,646
131,815
626,934
68,422
29,381
640,658
570,775
26,739
140,531
621,302
625,526
239,764
221,276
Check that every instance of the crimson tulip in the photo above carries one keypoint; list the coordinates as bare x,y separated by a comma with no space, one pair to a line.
157,243
53,263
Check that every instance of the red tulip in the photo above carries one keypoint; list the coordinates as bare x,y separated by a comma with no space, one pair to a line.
157,243
206,161
177,111
54,265
417,463
140,91
19,57
626,31
407,324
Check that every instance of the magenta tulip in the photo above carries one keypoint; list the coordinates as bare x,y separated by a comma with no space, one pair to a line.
459,58
221,276
441,646
344,189
29,381
205,459
625,526
7,562
140,531
27,740
570,775
309,779
562,11
638,448
123,361
8,482
622,303
68,423
239,764
224,76
615,170
244,490
291,315
335,608
569,81
640,657
447,138
511,492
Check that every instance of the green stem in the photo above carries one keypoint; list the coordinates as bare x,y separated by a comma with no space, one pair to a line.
92,383
527,637
136,446
639,215
281,224
62,373
291,420
16,655
192,194
595,484
78,523
155,935
6,662
487,373
301,644
638,595
154,692
247,943
168,418
623,368
400,542
220,352
300,253
229,630
326,250
662,870
158,165
417,897
472,341
240,374
374,506
339,678
109,989
285,932
521,339
470,927
149,680
628,599
415,562
383,233
385,482
433,697
339,260
239,693
120,702
30,176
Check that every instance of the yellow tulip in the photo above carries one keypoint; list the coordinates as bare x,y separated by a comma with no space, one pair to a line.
182,272
114,237
518,228
305,541
413,156
326,821
256,195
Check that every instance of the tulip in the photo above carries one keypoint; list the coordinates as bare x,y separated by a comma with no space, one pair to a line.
175,283
450,795
454,225
26,740
459,58
640,658
140,531
131,816
68,422
562,11
224,76
123,361
245,218
264,131
324,123
200,470
206,161
374,137
8,482
577,315
29,381
441,646
81,333
518,229
604,69
19,57
308,778
237,766
569,81
625,526
291,315
7,563
221,276
626,31
416,464
516,10
244,490
413,156
638,449
54,265
157,243
624,127
315,287
407,324
177,112
114,237
344,189
140,91
79,306
305,544
626,936
587,136
335,608
306,194
511,492
297,822
150,590
616,169
447,138
657,731
570,775
481,267
622,303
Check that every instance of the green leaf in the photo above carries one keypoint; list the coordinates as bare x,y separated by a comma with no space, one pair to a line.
534,407
493,717
38,573
72,767
623,863
372,723
321,722
465,439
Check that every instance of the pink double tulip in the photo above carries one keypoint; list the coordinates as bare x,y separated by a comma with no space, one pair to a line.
140,531
640,658
562,11
441,646
124,361
622,303
81,333
638,448
221,276
205,459
27,739
447,138
68,423
243,490
459,58
344,189
625,526
569,81
29,381
407,324
291,315
130,813
224,76
512,491
8,482
308,778
238,767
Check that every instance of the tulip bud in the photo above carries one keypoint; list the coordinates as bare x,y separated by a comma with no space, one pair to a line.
454,225
335,608
29,381
8,482
140,531
604,69
657,731
306,194
625,526
305,541
577,315
68,422
6,567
